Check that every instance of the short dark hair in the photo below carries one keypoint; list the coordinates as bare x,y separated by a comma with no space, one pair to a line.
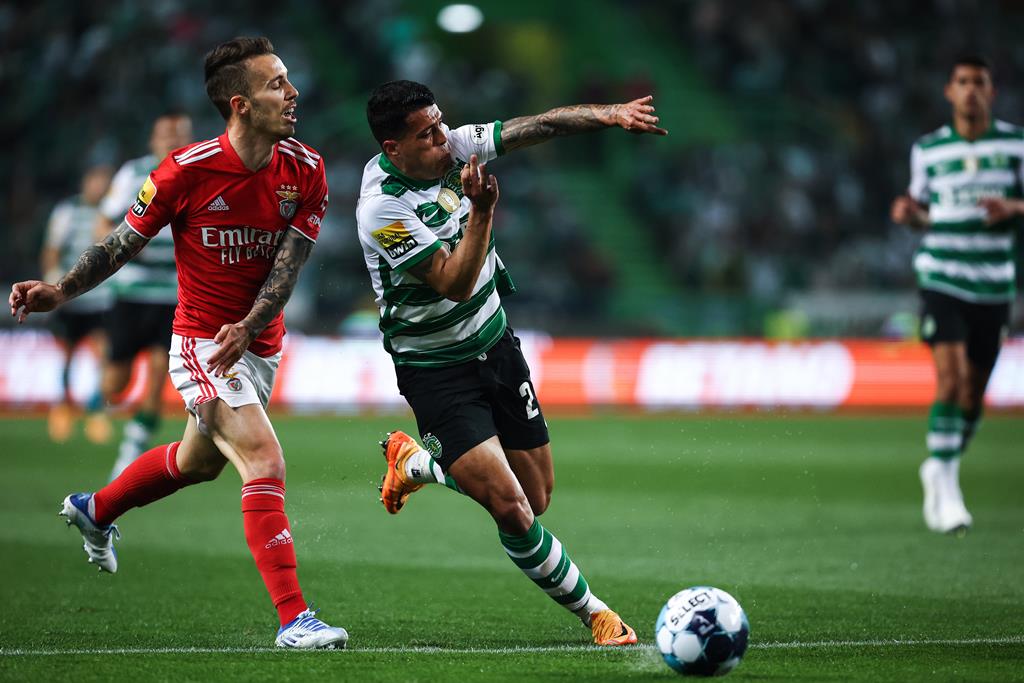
390,103
971,59
226,75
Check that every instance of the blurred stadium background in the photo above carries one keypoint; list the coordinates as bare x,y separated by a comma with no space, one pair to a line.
764,214
745,261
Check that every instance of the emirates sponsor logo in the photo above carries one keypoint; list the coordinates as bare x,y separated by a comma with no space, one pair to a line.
243,243
282,538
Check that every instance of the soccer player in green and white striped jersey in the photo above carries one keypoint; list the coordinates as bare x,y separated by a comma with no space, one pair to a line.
71,230
965,192
146,293
424,220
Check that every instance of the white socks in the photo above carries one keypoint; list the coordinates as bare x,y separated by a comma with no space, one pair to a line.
423,469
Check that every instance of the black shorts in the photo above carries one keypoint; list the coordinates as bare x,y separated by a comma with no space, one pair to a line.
982,327
71,327
134,326
460,406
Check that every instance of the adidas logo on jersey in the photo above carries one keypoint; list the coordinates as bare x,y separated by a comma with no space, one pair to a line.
218,205
282,538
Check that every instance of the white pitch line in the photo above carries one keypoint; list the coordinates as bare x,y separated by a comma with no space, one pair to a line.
793,645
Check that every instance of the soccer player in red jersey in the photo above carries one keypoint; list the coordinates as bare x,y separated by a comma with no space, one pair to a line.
245,209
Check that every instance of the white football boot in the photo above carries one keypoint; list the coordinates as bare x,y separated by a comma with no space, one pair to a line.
98,540
306,632
953,515
931,473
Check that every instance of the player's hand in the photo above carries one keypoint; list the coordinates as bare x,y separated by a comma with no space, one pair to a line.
33,296
998,209
233,340
906,211
479,185
637,116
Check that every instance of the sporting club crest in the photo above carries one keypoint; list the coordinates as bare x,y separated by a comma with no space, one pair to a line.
432,445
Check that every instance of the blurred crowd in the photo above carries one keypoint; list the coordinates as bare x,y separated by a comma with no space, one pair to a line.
828,98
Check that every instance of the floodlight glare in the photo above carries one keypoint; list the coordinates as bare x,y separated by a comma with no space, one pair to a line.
460,18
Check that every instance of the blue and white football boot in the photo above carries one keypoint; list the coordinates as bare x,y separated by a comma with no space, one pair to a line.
306,632
98,540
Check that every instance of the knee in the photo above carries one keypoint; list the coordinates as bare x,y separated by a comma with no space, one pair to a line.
266,461
205,471
512,511
200,466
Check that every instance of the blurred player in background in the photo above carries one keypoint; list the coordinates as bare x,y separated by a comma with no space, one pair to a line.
424,220
146,291
965,193
245,209
69,232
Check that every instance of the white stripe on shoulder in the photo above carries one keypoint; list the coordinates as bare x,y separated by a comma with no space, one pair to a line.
301,157
208,153
196,149
292,142
1007,127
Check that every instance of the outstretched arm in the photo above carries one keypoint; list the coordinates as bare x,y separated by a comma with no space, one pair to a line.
637,116
95,265
235,338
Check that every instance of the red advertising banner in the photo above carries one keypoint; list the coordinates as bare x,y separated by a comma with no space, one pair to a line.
341,374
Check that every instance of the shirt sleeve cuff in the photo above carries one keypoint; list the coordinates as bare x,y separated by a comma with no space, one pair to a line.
499,148
303,233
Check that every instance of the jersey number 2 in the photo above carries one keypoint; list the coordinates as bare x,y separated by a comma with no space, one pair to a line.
526,391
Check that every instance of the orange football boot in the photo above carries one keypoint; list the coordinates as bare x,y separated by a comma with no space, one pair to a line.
395,488
610,629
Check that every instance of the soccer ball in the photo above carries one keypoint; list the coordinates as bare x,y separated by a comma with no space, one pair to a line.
702,631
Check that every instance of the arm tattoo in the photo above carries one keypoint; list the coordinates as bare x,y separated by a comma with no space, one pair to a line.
291,255
578,118
102,260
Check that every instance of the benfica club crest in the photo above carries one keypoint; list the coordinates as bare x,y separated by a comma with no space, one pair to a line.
289,203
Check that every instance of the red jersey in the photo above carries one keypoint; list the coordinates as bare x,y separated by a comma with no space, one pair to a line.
227,222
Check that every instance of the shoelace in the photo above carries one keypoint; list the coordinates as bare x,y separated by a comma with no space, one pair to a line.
112,530
307,620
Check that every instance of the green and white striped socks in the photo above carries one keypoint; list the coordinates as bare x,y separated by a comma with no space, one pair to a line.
544,560
971,420
945,430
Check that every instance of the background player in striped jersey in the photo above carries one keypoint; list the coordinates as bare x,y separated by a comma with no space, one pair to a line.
965,193
145,290
424,220
70,230
245,209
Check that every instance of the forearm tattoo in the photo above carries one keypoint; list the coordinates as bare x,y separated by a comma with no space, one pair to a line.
102,260
578,118
277,289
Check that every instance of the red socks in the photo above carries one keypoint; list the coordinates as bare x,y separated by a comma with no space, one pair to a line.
270,540
153,475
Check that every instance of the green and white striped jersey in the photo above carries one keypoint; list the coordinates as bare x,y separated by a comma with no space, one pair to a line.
401,222
71,230
959,254
150,277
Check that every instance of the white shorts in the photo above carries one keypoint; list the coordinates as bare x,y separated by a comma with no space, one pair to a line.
250,380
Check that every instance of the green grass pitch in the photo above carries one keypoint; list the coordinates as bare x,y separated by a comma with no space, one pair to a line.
812,521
